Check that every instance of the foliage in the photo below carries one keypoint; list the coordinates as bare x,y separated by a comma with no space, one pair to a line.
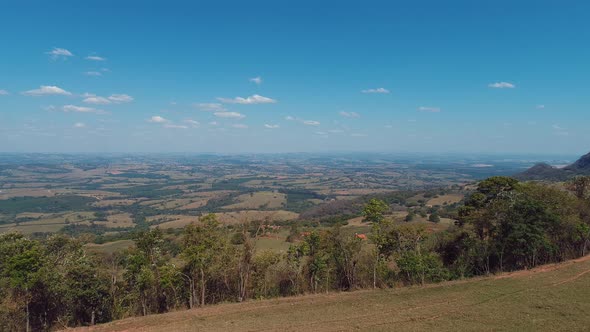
52,282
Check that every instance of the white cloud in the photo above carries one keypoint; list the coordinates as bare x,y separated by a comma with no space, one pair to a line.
311,123
229,115
271,126
559,130
112,99
47,90
97,100
429,109
95,58
540,107
335,131
192,123
240,126
254,99
93,73
502,85
120,98
350,114
57,53
210,107
158,119
321,133
378,90
174,126
79,125
213,123
305,122
80,109
257,80
4,92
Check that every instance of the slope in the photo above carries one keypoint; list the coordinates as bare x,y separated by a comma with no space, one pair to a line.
551,297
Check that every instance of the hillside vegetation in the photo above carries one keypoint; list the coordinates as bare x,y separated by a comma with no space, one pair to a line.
548,298
504,225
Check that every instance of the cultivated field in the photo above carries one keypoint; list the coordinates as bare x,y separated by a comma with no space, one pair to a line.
549,298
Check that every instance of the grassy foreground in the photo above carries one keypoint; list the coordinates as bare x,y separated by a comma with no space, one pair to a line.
549,298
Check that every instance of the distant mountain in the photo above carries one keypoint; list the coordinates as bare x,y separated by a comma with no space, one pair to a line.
547,172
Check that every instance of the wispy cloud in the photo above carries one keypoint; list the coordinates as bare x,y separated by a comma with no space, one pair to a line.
305,122
540,107
210,107
158,119
349,114
257,80
79,125
4,92
97,100
93,73
559,130
240,126
59,53
81,109
428,109
121,98
112,99
95,58
271,126
358,135
47,90
174,126
192,123
254,99
229,115
377,90
502,85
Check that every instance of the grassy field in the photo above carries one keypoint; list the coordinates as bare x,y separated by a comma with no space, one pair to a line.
549,298
445,199
258,200
111,247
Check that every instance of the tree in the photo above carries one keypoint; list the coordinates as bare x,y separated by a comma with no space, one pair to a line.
580,186
374,210
21,260
202,248
434,218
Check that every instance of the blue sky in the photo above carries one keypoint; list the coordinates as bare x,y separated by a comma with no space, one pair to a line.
295,76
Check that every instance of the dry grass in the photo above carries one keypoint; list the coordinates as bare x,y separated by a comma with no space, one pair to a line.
118,220
179,221
550,298
257,200
110,247
448,199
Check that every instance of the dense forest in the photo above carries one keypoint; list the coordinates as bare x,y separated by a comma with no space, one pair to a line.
504,225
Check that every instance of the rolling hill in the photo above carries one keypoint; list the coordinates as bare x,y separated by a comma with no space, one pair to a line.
547,172
549,298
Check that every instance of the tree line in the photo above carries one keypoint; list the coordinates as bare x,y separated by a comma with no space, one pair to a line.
503,225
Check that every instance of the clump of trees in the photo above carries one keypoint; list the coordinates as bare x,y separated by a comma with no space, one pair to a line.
504,225
508,225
